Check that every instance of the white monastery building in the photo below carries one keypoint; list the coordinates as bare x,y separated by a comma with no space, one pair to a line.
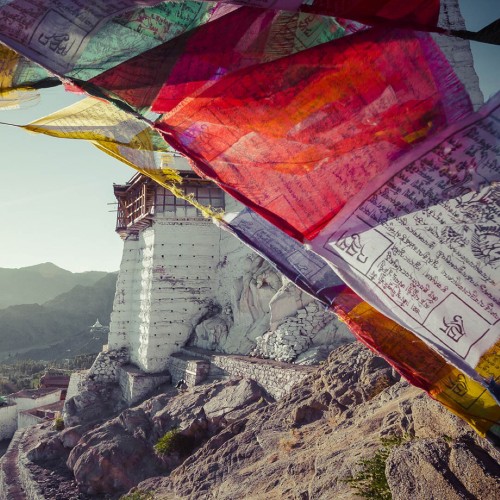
184,281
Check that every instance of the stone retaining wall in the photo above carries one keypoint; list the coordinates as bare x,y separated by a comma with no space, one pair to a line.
136,385
275,377
16,482
30,486
106,367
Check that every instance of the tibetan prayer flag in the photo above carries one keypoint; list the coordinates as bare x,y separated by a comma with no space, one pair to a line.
422,15
421,243
296,138
20,79
303,267
80,39
188,64
138,31
423,367
95,120
414,359
55,34
417,13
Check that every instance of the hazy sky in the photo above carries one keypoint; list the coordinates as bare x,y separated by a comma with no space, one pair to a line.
54,192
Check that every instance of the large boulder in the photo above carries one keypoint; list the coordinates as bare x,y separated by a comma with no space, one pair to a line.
113,458
120,453
95,402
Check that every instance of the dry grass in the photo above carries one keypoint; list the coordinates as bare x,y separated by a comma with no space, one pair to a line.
289,442
332,421
380,385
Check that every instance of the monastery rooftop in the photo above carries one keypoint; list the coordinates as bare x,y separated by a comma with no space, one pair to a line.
46,411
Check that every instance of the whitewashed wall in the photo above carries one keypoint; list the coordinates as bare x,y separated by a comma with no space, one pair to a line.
25,419
27,403
165,284
8,421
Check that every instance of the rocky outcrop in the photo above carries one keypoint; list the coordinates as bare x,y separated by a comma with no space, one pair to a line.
452,470
309,444
247,285
265,314
118,454
229,440
97,400
248,299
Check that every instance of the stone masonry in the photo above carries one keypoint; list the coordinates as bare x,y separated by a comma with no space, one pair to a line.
276,378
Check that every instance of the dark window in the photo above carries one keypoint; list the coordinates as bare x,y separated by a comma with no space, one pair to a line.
208,196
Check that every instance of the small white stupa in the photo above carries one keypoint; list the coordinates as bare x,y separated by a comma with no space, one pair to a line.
97,327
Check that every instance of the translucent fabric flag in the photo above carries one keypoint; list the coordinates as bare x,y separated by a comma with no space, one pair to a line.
427,369
20,79
421,243
182,67
303,267
80,40
418,13
95,120
54,34
416,361
138,31
296,138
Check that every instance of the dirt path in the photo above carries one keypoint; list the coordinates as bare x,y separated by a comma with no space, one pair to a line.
10,471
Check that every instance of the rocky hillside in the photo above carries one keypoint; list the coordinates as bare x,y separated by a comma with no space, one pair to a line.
69,314
40,283
351,421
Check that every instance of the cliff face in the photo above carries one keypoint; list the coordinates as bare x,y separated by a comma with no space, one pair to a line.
236,443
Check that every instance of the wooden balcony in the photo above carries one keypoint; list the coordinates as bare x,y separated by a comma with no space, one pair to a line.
135,205
141,198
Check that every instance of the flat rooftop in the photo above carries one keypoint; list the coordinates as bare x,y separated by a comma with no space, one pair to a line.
34,393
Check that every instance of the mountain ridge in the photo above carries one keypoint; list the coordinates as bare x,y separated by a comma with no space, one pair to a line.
68,314
40,283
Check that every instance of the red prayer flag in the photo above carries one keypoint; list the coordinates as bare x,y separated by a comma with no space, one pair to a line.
295,139
182,66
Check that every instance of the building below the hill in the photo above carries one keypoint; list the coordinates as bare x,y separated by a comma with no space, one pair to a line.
184,281
13,415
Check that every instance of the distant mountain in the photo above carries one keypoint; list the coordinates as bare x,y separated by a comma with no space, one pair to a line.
40,283
67,315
